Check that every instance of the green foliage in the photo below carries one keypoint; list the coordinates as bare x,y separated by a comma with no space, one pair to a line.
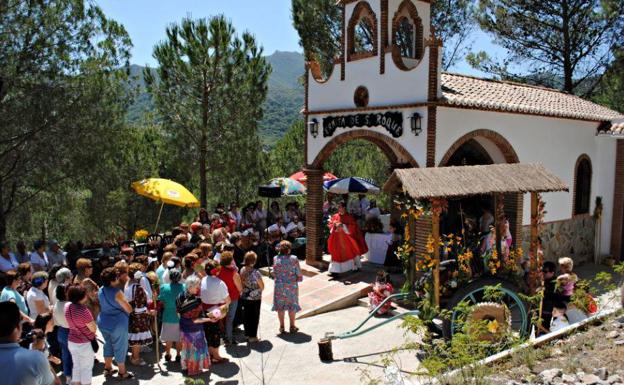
287,156
560,44
62,100
209,94
319,24
610,91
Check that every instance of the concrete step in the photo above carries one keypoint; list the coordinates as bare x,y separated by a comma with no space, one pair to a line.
320,294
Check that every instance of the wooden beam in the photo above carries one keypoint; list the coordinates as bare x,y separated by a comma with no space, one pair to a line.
533,262
411,272
436,207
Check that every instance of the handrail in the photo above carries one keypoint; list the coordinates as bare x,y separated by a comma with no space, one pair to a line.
355,332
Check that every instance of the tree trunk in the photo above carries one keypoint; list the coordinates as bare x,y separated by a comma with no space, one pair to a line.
203,183
3,225
3,218
203,150
567,62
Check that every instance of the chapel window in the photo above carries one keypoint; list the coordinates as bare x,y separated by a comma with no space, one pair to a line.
407,36
582,185
364,36
362,32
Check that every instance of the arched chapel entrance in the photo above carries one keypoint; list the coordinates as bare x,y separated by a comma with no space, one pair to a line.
482,147
397,155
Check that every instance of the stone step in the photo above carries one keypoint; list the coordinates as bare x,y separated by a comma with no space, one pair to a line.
320,294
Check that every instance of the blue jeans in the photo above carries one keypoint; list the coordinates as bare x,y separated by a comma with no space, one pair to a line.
116,342
61,337
229,320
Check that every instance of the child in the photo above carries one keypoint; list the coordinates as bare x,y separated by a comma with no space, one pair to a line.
382,289
550,297
559,319
566,280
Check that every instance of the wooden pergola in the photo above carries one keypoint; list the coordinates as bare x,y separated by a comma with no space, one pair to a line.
437,184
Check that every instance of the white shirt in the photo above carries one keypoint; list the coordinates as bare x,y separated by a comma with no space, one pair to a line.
36,259
295,226
52,285
10,264
373,213
58,314
33,295
213,290
275,227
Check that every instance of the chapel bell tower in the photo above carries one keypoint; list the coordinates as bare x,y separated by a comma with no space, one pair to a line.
388,57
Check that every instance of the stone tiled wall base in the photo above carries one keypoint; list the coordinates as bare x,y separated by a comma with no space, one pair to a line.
569,238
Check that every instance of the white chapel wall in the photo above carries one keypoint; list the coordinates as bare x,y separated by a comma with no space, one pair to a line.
556,143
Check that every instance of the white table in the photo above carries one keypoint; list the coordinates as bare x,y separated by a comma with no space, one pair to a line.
377,246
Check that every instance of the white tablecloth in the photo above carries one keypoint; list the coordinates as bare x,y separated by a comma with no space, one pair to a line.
377,247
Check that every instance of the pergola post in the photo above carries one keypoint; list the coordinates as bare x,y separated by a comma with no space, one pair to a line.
533,261
314,215
411,272
436,209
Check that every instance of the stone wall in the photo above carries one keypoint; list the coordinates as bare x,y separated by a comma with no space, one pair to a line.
568,238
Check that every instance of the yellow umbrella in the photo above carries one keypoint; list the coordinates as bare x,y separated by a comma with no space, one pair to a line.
165,191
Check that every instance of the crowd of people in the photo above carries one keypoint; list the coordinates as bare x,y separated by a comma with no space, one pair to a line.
191,289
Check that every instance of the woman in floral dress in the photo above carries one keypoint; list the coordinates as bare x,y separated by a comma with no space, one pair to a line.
193,349
140,319
286,293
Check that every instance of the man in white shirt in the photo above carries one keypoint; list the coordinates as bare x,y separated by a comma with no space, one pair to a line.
56,256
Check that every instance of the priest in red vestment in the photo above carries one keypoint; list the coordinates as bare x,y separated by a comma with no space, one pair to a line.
346,242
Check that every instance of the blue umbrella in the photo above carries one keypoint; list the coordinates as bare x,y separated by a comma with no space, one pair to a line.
351,185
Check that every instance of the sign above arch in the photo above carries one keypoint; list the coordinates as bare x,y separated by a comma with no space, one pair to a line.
392,121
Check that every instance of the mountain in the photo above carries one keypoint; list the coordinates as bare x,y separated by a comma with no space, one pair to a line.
281,108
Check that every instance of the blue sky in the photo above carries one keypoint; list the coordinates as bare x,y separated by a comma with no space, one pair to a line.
269,20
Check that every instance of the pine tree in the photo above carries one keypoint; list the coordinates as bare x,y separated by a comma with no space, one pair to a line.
565,44
210,89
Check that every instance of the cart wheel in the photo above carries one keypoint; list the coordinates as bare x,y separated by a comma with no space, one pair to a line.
473,294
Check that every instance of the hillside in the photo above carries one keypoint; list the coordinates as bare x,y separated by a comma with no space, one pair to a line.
284,99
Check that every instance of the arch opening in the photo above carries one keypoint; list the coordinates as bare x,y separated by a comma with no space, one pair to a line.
362,33
469,215
407,37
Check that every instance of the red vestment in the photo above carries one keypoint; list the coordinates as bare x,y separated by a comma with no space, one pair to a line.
345,245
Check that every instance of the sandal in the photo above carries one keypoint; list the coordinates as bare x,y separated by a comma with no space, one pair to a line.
294,329
221,360
110,372
125,376
282,330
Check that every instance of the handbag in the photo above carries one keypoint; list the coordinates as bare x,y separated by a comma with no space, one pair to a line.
94,344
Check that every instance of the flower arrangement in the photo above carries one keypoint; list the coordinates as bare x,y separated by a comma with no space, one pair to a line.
141,235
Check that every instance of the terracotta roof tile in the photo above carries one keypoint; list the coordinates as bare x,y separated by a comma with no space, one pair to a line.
471,92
